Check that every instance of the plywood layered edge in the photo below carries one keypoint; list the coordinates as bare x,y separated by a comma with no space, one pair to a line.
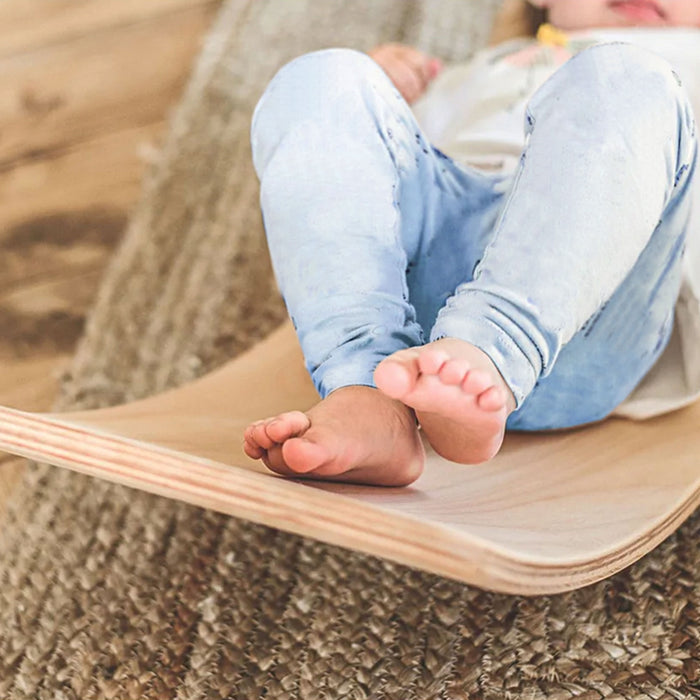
600,503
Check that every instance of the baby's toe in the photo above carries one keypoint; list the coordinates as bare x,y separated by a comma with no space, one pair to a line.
286,425
259,435
249,434
274,461
431,360
253,450
396,375
476,382
454,371
493,399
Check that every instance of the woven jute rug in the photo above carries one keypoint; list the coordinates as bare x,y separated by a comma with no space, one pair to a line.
106,592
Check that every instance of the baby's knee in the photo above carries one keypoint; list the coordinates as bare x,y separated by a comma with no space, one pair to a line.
643,86
621,64
615,71
323,89
315,81
322,86
620,86
325,66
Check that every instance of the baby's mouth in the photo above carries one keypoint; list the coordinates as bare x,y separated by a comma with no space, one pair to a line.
644,11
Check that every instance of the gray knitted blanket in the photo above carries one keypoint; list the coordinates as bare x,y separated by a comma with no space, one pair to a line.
108,593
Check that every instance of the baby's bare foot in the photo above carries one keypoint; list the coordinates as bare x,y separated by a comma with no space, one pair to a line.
459,397
356,434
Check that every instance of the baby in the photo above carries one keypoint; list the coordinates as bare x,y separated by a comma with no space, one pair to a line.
527,280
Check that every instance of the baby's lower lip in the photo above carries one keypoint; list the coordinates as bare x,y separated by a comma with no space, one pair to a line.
640,11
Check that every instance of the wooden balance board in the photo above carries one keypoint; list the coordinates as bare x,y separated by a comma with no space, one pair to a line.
552,512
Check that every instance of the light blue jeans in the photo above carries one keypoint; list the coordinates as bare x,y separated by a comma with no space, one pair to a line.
564,272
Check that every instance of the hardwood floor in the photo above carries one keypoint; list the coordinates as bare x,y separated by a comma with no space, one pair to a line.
86,87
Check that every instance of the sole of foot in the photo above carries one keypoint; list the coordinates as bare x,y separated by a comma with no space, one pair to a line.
459,397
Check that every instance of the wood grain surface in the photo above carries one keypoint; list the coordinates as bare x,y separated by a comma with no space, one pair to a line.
85,93
551,512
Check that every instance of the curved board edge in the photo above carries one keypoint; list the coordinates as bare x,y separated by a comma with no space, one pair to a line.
292,506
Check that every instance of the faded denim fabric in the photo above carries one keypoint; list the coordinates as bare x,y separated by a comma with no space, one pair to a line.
565,272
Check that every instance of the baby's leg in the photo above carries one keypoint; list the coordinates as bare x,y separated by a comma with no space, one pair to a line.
329,193
575,292
351,195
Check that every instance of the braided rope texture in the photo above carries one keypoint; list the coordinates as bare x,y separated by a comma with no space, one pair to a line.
107,593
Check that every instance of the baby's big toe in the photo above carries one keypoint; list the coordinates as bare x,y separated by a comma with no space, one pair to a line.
396,375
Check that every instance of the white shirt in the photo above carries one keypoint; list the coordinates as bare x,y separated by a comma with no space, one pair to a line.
474,113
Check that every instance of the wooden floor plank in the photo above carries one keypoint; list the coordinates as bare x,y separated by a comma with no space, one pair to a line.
31,384
56,97
28,24
100,174
85,92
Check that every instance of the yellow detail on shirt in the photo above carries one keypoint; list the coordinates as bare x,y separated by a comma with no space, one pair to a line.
551,36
